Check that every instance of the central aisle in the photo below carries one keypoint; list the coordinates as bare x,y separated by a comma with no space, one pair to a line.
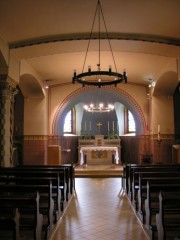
98,210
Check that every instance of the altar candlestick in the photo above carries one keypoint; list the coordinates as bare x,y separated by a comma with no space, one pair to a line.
159,137
85,125
113,125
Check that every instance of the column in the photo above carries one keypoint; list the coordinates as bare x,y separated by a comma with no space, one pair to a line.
7,93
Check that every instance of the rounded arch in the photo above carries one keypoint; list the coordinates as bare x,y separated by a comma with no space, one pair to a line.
166,84
85,94
30,86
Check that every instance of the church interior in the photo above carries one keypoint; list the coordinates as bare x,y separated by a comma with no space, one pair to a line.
89,109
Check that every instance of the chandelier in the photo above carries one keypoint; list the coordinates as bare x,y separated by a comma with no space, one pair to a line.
99,103
99,108
99,78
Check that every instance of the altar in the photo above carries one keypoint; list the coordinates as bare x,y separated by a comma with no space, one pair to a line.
99,151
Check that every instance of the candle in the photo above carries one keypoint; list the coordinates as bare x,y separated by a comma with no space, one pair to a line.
159,137
108,126
85,125
113,125
90,126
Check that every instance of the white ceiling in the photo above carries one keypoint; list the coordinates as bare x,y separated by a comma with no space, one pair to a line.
52,36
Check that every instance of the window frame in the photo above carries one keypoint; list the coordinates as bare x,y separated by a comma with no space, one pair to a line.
126,122
73,122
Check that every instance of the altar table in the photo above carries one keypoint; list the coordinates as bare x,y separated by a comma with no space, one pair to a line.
98,148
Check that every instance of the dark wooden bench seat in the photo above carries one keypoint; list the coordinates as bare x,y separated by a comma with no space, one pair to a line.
69,168
9,223
168,218
33,177
139,189
46,202
148,171
129,170
28,204
152,201
66,176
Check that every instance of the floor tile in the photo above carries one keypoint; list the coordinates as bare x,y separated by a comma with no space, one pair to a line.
99,210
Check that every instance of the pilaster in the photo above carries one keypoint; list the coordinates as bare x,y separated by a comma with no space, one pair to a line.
7,93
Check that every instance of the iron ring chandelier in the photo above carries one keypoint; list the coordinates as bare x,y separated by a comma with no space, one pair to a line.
118,78
102,78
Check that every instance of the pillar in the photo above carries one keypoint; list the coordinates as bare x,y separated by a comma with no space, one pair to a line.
7,93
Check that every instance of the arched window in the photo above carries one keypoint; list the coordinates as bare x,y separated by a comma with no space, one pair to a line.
129,123
69,122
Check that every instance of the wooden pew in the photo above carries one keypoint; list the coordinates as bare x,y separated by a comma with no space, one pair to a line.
46,202
72,176
168,218
65,173
28,204
9,223
139,190
36,179
129,168
152,200
27,175
134,179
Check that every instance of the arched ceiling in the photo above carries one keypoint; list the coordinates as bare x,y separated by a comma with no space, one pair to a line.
52,37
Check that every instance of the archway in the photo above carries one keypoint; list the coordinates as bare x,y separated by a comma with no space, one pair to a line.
85,94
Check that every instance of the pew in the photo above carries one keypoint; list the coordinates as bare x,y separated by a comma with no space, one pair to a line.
135,171
152,200
72,176
138,189
129,168
35,177
46,202
168,218
31,220
9,223
66,172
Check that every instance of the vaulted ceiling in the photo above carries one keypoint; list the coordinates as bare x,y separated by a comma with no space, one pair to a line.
52,37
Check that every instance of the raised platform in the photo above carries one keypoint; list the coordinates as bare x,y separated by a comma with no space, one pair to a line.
111,170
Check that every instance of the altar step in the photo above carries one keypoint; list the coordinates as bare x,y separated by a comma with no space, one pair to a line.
111,170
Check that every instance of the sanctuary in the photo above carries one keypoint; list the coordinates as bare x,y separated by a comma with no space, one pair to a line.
99,150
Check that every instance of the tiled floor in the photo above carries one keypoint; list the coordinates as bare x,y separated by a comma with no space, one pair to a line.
99,210
98,170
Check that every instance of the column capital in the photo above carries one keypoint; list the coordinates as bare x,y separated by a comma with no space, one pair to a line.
7,88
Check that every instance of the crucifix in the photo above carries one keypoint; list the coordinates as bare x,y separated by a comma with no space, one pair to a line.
99,127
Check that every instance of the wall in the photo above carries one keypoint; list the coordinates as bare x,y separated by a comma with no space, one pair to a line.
133,97
37,137
163,114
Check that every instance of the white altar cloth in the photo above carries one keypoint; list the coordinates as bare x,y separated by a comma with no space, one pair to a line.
114,149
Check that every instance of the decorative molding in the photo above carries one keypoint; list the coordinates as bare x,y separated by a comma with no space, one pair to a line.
85,36
35,138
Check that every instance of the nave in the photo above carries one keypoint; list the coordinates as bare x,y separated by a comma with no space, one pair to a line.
99,210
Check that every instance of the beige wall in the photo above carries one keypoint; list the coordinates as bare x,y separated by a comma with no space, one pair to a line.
163,114
58,94
35,117
36,110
